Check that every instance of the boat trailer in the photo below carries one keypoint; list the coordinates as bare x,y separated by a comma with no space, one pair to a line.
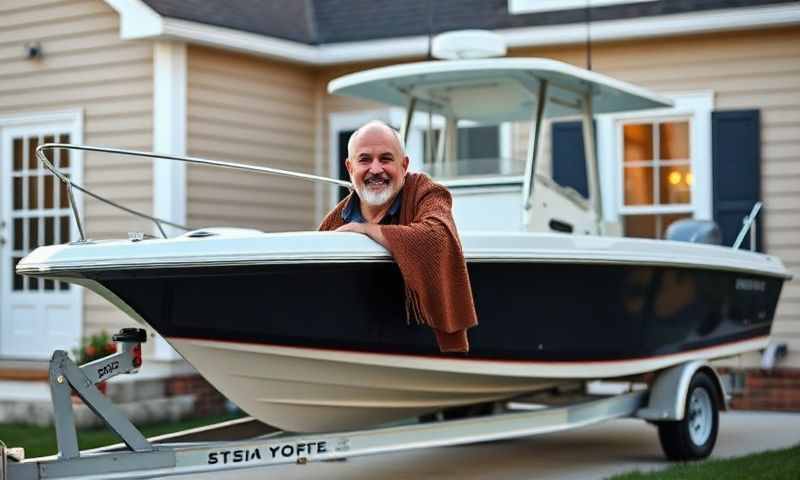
683,401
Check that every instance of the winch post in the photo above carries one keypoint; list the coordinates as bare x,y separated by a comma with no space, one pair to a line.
64,375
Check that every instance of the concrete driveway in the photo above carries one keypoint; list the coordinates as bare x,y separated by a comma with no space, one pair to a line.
593,452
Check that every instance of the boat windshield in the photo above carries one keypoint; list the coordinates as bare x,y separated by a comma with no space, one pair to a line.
477,150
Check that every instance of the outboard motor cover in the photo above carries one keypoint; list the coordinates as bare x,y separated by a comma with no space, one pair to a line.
694,231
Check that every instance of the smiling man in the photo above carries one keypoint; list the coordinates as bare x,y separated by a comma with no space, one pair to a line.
409,215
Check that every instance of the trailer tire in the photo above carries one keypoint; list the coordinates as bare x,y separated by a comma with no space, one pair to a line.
693,438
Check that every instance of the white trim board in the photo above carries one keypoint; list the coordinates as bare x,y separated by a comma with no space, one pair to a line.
517,7
169,137
169,133
140,21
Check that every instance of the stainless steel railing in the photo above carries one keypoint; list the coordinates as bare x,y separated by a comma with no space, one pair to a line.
159,222
748,224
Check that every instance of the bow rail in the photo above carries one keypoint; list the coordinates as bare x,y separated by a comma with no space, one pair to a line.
159,222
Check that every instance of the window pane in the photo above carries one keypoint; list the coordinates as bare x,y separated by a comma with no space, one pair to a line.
33,192
674,141
17,193
64,221
49,284
18,229
675,184
638,139
17,154
643,226
49,153
63,195
49,230
17,279
33,283
49,188
33,233
32,144
64,154
638,185
478,150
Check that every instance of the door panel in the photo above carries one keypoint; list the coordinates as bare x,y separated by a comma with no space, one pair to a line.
36,316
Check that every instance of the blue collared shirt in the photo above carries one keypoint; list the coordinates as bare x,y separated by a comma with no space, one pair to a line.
352,211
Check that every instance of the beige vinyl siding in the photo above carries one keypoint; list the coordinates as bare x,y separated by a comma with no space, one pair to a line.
85,65
254,111
757,69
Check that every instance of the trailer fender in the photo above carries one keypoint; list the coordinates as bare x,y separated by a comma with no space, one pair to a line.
667,400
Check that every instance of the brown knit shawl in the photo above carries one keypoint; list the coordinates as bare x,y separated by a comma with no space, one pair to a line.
426,247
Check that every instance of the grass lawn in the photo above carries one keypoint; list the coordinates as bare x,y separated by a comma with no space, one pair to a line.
772,465
39,441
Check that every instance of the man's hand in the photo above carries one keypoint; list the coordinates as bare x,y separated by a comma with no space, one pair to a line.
371,230
354,227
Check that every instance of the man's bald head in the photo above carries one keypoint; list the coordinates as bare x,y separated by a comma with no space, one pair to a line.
376,127
377,163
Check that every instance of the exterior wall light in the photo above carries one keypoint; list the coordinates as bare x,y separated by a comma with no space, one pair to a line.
33,50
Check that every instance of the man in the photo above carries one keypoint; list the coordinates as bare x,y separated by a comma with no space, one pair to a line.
410,216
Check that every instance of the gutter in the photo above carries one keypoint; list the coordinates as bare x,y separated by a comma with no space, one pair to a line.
139,21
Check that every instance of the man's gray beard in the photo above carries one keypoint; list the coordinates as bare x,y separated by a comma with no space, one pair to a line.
375,199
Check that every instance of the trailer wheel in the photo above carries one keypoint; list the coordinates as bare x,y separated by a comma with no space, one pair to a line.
693,438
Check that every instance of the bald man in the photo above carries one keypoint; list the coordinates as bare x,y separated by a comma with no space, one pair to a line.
377,164
409,215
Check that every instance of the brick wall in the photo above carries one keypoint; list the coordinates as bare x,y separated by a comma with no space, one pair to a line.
208,401
776,390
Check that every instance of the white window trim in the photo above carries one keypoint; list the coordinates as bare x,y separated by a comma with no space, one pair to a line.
698,105
516,7
169,137
72,119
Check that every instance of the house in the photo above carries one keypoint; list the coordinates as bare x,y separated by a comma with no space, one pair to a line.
246,81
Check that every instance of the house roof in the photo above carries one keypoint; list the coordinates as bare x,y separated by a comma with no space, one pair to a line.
326,32
321,22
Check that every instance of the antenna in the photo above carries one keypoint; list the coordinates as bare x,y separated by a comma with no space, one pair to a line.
588,34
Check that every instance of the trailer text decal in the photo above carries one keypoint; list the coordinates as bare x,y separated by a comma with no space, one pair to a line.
287,451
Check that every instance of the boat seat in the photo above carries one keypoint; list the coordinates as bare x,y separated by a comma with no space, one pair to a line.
694,231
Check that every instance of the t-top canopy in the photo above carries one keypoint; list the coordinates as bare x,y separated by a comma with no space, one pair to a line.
495,90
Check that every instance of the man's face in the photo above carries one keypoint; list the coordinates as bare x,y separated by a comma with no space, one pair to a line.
377,165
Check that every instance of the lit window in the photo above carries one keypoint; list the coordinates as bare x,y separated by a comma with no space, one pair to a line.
657,176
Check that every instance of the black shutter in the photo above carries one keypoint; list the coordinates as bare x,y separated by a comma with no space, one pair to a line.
736,163
569,160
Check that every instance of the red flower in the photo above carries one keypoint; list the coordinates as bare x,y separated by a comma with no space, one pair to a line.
90,351
111,347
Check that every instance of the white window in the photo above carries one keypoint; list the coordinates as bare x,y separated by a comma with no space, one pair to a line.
655,166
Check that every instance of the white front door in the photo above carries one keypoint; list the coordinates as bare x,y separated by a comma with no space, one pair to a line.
36,316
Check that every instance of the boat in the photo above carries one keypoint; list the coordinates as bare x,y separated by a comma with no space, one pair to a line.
307,331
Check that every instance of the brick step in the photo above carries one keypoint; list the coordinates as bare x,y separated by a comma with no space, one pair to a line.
765,404
23,375
755,383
